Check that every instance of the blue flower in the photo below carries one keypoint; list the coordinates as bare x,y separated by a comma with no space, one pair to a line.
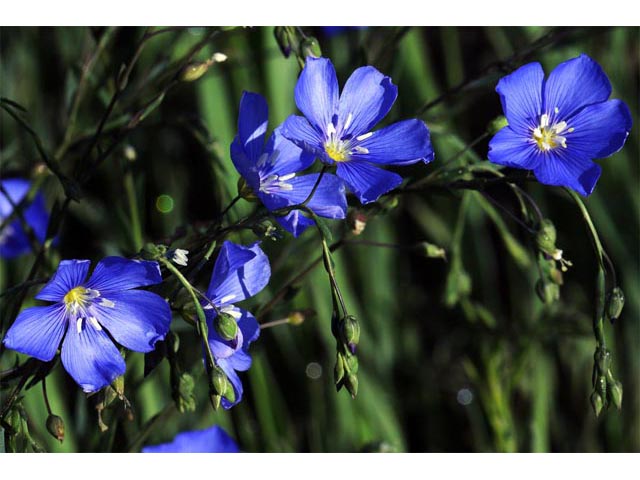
14,241
270,170
239,273
338,130
210,440
91,312
559,125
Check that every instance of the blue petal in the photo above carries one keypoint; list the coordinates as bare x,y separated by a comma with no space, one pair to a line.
70,274
367,181
244,272
295,222
252,124
514,150
16,188
316,92
211,440
236,383
367,96
91,358
250,328
245,166
113,274
563,167
299,131
286,156
137,320
521,96
575,84
600,130
328,200
37,331
15,241
401,143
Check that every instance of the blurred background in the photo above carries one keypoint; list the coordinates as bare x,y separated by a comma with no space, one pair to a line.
476,368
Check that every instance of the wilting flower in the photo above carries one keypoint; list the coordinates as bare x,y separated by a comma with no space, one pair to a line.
210,440
14,241
559,125
338,129
91,312
240,272
270,170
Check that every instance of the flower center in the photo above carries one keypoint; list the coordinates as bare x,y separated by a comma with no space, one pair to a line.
78,298
336,150
549,135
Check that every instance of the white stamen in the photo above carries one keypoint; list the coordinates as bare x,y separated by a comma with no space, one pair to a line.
556,110
331,129
219,57
347,124
180,257
537,132
364,136
107,303
227,298
559,127
288,176
94,321
79,324
231,311
570,130
360,149
544,120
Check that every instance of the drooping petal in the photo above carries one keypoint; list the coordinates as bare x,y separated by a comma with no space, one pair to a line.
521,96
37,331
252,124
211,440
401,143
113,274
247,273
90,357
316,92
366,98
70,274
285,156
600,130
566,168
299,131
367,181
236,383
136,319
246,167
575,84
514,150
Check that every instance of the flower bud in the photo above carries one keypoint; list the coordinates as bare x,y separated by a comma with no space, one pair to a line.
351,382
55,426
226,326
309,47
555,276
230,393
118,386
338,370
615,303
547,291
430,250
357,222
297,317
546,238
215,400
194,71
130,153
285,40
497,124
351,332
218,382
185,399
615,393
596,403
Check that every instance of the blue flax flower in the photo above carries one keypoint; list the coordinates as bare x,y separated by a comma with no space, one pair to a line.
210,440
338,129
14,241
92,312
270,170
240,272
559,125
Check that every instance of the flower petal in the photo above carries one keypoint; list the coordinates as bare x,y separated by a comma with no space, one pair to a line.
299,131
401,143
316,92
600,130
521,96
252,124
250,328
70,274
513,150
567,168
244,271
575,84
16,188
211,440
246,167
37,331
295,222
91,358
286,156
367,181
137,319
113,274
366,98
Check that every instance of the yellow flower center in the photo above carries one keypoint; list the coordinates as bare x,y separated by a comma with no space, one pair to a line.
76,297
548,136
336,151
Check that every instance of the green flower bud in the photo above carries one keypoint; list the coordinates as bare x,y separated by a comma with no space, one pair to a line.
130,153
555,276
230,393
310,47
185,399
602,359
615,394
351,332
546,237
351,382
547,291
350,363
297,317
194,71
285,39
150,251
218,382
245,191
430,250
601,387
615,303
118,386
55,426
596,403
226,326
497,124
338,370
215,400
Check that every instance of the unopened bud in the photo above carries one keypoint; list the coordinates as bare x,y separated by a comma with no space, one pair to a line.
546,239
130,153
430,250
615,393
596,403
215,400
338,370
118,386
152,252
351,382
497,124
296,318
615,303
230,393
226,326
285,40
310,47
547,291
357,222
219,57
555,276
186,400
194,71
351,332
55,426
218,382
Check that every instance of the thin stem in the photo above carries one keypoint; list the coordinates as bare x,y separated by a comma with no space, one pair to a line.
315,186
46,397
274,323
